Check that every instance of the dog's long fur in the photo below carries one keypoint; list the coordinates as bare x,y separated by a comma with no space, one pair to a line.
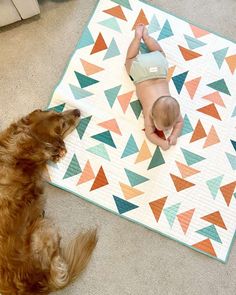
31,258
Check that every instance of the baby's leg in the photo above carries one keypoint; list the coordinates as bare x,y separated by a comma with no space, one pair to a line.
151,43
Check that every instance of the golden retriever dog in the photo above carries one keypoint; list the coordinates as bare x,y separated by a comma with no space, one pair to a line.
31,258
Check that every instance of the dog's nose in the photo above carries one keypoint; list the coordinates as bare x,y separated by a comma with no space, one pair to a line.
76,113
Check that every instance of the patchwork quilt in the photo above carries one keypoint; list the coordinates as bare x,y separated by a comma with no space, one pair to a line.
186,193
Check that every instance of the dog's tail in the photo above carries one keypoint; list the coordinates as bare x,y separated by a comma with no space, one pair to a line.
72,260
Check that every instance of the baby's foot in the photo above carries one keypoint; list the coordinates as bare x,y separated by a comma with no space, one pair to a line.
139,31
145,33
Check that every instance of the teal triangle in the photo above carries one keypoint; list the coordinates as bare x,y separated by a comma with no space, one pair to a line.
154,25
85,81
193,43
112,50
135,178
111,23
53,165
111,94
187,127
165,31
131,147
232,160
220,85
73,168
234,144
234,112
171,212
179,81
86,39
100,151
191,158
83,124
210,232
214,185
59,108
143,48
220,55
136,107
105,137
157,159
124,3
123,206
79,93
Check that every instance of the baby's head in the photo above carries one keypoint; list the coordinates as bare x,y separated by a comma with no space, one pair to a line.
165,112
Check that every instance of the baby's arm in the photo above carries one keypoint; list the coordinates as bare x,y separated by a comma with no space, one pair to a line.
176,131
153,137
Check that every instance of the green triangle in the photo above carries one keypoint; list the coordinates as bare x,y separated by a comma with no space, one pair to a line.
157,159
220,55
153,25
143,48
210,232
111,94
193,43
232,160
171,212
73,168
135,178
165,31
85,81
131,147
83,124
86,39
234,112
123,206
99,150
187,127
220,85
112,50
235,195
136,107
111,23
79,93
191,158
214,185
233,144
124,3
179,81
59,108
105,137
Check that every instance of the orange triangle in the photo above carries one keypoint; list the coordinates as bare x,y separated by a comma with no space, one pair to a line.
188,54
170,73
144,153
90,68
210,110
197,32
100,180
212,137
99,44
199,132
111,125
186,170
185,219
87,173
129,192
231,61
192,86
157,207
141,19
215,218
215,98
116,11
227,191
205,246
124,100
180,183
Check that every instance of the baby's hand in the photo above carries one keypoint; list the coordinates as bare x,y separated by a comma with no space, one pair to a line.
165,146
172,140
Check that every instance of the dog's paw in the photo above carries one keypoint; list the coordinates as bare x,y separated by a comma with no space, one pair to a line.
58,154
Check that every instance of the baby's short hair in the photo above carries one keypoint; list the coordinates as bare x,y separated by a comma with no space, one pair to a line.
166,109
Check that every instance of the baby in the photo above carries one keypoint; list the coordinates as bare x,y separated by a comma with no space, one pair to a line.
149,71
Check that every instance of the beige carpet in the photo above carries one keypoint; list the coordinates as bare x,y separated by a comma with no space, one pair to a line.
128,259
